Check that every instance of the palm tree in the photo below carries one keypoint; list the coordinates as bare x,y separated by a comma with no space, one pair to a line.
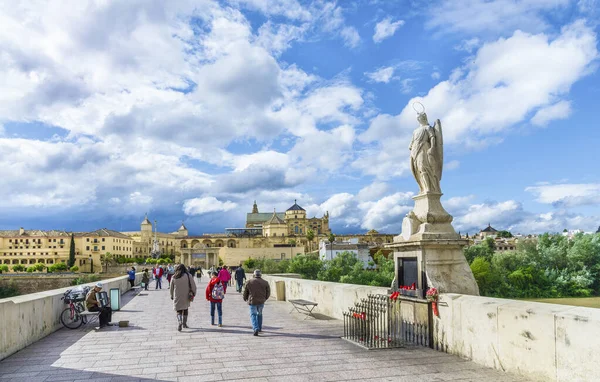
108,259
310,235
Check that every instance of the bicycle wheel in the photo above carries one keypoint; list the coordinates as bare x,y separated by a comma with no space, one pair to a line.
71,322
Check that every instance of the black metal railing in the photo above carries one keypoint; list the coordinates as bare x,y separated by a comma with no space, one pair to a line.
380,322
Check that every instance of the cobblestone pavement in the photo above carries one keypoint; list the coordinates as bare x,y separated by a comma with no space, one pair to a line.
289,349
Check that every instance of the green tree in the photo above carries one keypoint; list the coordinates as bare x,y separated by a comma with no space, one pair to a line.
74,268
72,252
339,266
58,267
250,264
18,268
504,234
3,268
307,266
331,237
108,258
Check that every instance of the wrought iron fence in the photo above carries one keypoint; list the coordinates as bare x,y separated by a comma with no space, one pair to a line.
380,322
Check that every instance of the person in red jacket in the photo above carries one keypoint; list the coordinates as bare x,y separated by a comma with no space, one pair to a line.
224,276
158,274
215,294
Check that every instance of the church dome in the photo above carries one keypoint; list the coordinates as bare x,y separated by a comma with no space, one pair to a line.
296,207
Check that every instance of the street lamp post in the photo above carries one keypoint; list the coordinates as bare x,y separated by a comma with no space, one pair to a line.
91,264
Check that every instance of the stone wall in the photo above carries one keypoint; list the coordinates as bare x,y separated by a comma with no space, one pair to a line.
28,318
538,340
544,342
333,298
37,283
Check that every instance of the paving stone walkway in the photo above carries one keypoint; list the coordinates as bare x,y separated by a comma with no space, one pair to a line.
290,349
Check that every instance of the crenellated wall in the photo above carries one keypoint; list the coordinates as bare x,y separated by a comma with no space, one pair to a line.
28,318
543,342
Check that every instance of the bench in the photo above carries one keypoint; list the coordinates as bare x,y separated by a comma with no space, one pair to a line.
304,307
92,316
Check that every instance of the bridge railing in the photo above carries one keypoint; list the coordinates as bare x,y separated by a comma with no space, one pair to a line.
383,321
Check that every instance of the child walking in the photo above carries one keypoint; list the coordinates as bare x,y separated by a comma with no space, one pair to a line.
215,293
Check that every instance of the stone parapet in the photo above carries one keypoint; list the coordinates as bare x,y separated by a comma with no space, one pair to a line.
544,342
333,298
28,318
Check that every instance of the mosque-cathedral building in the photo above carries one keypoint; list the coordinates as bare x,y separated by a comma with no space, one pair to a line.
273,235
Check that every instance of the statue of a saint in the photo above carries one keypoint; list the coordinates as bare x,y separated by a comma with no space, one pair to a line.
427,155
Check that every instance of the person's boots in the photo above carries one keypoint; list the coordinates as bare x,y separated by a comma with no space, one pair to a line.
179,322
185,321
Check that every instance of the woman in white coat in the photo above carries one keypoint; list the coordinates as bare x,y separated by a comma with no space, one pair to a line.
183,290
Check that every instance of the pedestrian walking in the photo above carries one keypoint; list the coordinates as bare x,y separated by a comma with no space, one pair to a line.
199,273
145,279
256,293
158,274
170,271
215,294
240,276
224,276
131,278
183,291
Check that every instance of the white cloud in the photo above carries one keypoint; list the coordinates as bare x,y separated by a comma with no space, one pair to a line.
495,16
374,191
479,215
383,74
199,206
468,45
452,165
386,28
489,95
436,75
350,36
139,198
567,195
560,110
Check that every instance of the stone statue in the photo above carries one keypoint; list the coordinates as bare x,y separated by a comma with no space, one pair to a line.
427,155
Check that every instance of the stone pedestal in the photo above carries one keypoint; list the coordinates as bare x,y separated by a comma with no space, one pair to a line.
428,236
441,264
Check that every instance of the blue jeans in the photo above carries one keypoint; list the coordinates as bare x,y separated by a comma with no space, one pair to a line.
219,306
256,316
158,283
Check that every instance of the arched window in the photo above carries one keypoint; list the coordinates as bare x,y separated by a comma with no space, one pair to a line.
296,229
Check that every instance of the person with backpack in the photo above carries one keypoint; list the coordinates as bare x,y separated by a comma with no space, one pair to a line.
183,291
215,294
224,276
256,293
170,271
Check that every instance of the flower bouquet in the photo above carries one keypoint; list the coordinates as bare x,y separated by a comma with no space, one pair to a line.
433,295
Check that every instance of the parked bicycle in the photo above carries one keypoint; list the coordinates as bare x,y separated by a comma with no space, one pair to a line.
75,315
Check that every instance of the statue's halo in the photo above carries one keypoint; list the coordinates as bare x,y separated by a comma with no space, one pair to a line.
416,108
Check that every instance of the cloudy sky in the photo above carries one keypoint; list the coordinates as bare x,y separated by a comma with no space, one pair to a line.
191,110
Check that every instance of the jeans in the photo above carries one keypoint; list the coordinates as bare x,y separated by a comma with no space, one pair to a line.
219,306
256,316
158,283
239,285
131,282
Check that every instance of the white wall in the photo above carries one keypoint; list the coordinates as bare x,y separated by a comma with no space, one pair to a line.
28,318
333,298
544,342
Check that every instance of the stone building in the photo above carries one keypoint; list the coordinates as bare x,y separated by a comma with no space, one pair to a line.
294,218
28,247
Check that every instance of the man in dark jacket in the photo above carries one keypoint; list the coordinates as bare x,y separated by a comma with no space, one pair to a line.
256,293
240,276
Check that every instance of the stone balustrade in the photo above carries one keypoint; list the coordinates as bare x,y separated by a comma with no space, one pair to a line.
545,342
27,318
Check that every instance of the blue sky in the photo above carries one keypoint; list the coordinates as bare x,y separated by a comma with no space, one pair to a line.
192,110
